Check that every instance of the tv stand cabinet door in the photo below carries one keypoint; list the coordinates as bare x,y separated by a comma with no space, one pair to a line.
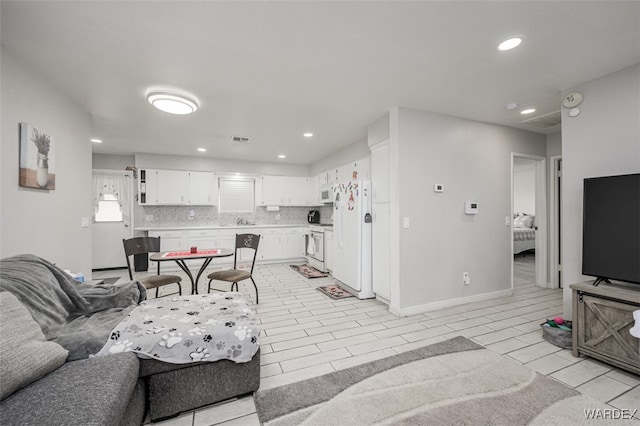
603,331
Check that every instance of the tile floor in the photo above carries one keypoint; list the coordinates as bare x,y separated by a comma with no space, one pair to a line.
306,334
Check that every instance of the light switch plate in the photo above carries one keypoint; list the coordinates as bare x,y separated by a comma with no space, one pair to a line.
405,222
84,223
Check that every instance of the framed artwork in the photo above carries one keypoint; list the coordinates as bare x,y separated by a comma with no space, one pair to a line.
37,158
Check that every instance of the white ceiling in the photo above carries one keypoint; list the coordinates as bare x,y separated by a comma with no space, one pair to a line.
273,70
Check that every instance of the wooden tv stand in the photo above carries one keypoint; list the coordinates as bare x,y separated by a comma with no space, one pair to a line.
602,317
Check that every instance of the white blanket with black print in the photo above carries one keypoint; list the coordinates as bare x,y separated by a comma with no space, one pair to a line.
183,329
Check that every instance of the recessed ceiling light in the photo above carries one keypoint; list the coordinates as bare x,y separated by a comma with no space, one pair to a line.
172,103
308,135
202,149
94,140
282,156
510,44
527,111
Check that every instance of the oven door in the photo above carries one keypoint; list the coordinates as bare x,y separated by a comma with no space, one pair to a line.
314,246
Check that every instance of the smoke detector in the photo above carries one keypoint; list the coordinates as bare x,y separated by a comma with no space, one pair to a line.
572,100
239,139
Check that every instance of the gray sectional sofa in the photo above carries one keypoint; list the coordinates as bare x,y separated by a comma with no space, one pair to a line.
58,323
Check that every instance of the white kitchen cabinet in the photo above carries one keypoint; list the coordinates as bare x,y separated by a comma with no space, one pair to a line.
313,191
270,247
323,179
202,189
171,240
295,191
328,250
172,187
380,172
380,240
272,191
292,241
176,187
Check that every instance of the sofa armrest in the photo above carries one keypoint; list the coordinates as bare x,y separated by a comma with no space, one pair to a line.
92,391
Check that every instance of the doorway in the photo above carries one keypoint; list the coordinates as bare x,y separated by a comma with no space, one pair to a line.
555,222
113,217
529,221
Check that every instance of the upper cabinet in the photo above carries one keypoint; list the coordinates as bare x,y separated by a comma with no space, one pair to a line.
176,187
272,191
287,191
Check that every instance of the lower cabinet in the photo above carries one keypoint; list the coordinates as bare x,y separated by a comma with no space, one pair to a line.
275,244
602,318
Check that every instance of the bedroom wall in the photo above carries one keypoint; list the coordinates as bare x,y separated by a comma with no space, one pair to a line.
524,186
473,162
41,222
603,140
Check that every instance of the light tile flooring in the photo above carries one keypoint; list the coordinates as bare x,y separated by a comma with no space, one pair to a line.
306,334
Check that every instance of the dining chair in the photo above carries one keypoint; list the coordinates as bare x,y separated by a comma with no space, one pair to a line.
235,275
146,245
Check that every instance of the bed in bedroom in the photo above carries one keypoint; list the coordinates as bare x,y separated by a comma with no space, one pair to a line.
524,233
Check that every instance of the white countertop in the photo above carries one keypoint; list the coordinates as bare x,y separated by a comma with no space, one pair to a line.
195,228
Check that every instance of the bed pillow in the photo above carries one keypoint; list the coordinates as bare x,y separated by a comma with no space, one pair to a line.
524,221
26,355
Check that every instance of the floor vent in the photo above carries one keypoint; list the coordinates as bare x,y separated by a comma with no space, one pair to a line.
545,121
239,139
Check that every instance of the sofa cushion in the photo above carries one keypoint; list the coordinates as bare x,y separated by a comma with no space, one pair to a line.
26,355
93,391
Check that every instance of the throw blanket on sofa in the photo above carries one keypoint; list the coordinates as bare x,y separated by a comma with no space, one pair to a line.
78,316
183,329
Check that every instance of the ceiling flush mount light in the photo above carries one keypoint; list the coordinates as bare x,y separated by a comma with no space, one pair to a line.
202,149
282,156
307,135
94,140
510,43
172,103
527,111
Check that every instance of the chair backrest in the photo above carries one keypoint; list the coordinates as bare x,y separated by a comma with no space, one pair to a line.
140,245
246,241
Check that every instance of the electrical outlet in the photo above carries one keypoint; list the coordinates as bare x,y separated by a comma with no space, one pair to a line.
466,278
277,216
148,218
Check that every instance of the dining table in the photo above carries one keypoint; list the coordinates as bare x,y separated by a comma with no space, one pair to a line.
181,256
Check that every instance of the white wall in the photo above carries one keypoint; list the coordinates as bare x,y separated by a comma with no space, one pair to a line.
524,186
354,152
603,140
172,162
45,223
473,162
112,162
554,144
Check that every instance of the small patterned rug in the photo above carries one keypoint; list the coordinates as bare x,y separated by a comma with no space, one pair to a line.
334,291
308,271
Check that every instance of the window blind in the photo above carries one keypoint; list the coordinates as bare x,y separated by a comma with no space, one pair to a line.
236,195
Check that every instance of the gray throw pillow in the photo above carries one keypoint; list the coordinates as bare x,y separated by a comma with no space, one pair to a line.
24,353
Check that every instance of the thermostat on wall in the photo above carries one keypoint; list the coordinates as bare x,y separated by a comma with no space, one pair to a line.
471,207
438,187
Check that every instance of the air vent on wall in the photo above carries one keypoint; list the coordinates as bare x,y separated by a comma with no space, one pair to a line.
239,139
545,121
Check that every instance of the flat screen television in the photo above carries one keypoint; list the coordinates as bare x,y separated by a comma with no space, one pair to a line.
611,228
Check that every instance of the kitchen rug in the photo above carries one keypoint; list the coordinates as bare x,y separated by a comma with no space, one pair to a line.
308,271
334,291
451,382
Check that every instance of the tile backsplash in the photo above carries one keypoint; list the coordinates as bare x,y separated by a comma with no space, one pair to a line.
182,216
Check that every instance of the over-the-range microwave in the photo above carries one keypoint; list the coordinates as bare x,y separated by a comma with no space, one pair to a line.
326,195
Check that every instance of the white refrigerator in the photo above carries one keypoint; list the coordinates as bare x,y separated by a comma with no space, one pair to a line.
352,227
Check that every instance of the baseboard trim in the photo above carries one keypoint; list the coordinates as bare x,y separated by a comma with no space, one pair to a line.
413,310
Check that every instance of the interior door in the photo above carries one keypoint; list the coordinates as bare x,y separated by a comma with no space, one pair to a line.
107,249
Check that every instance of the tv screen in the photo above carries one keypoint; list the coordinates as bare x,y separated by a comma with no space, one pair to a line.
611,228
